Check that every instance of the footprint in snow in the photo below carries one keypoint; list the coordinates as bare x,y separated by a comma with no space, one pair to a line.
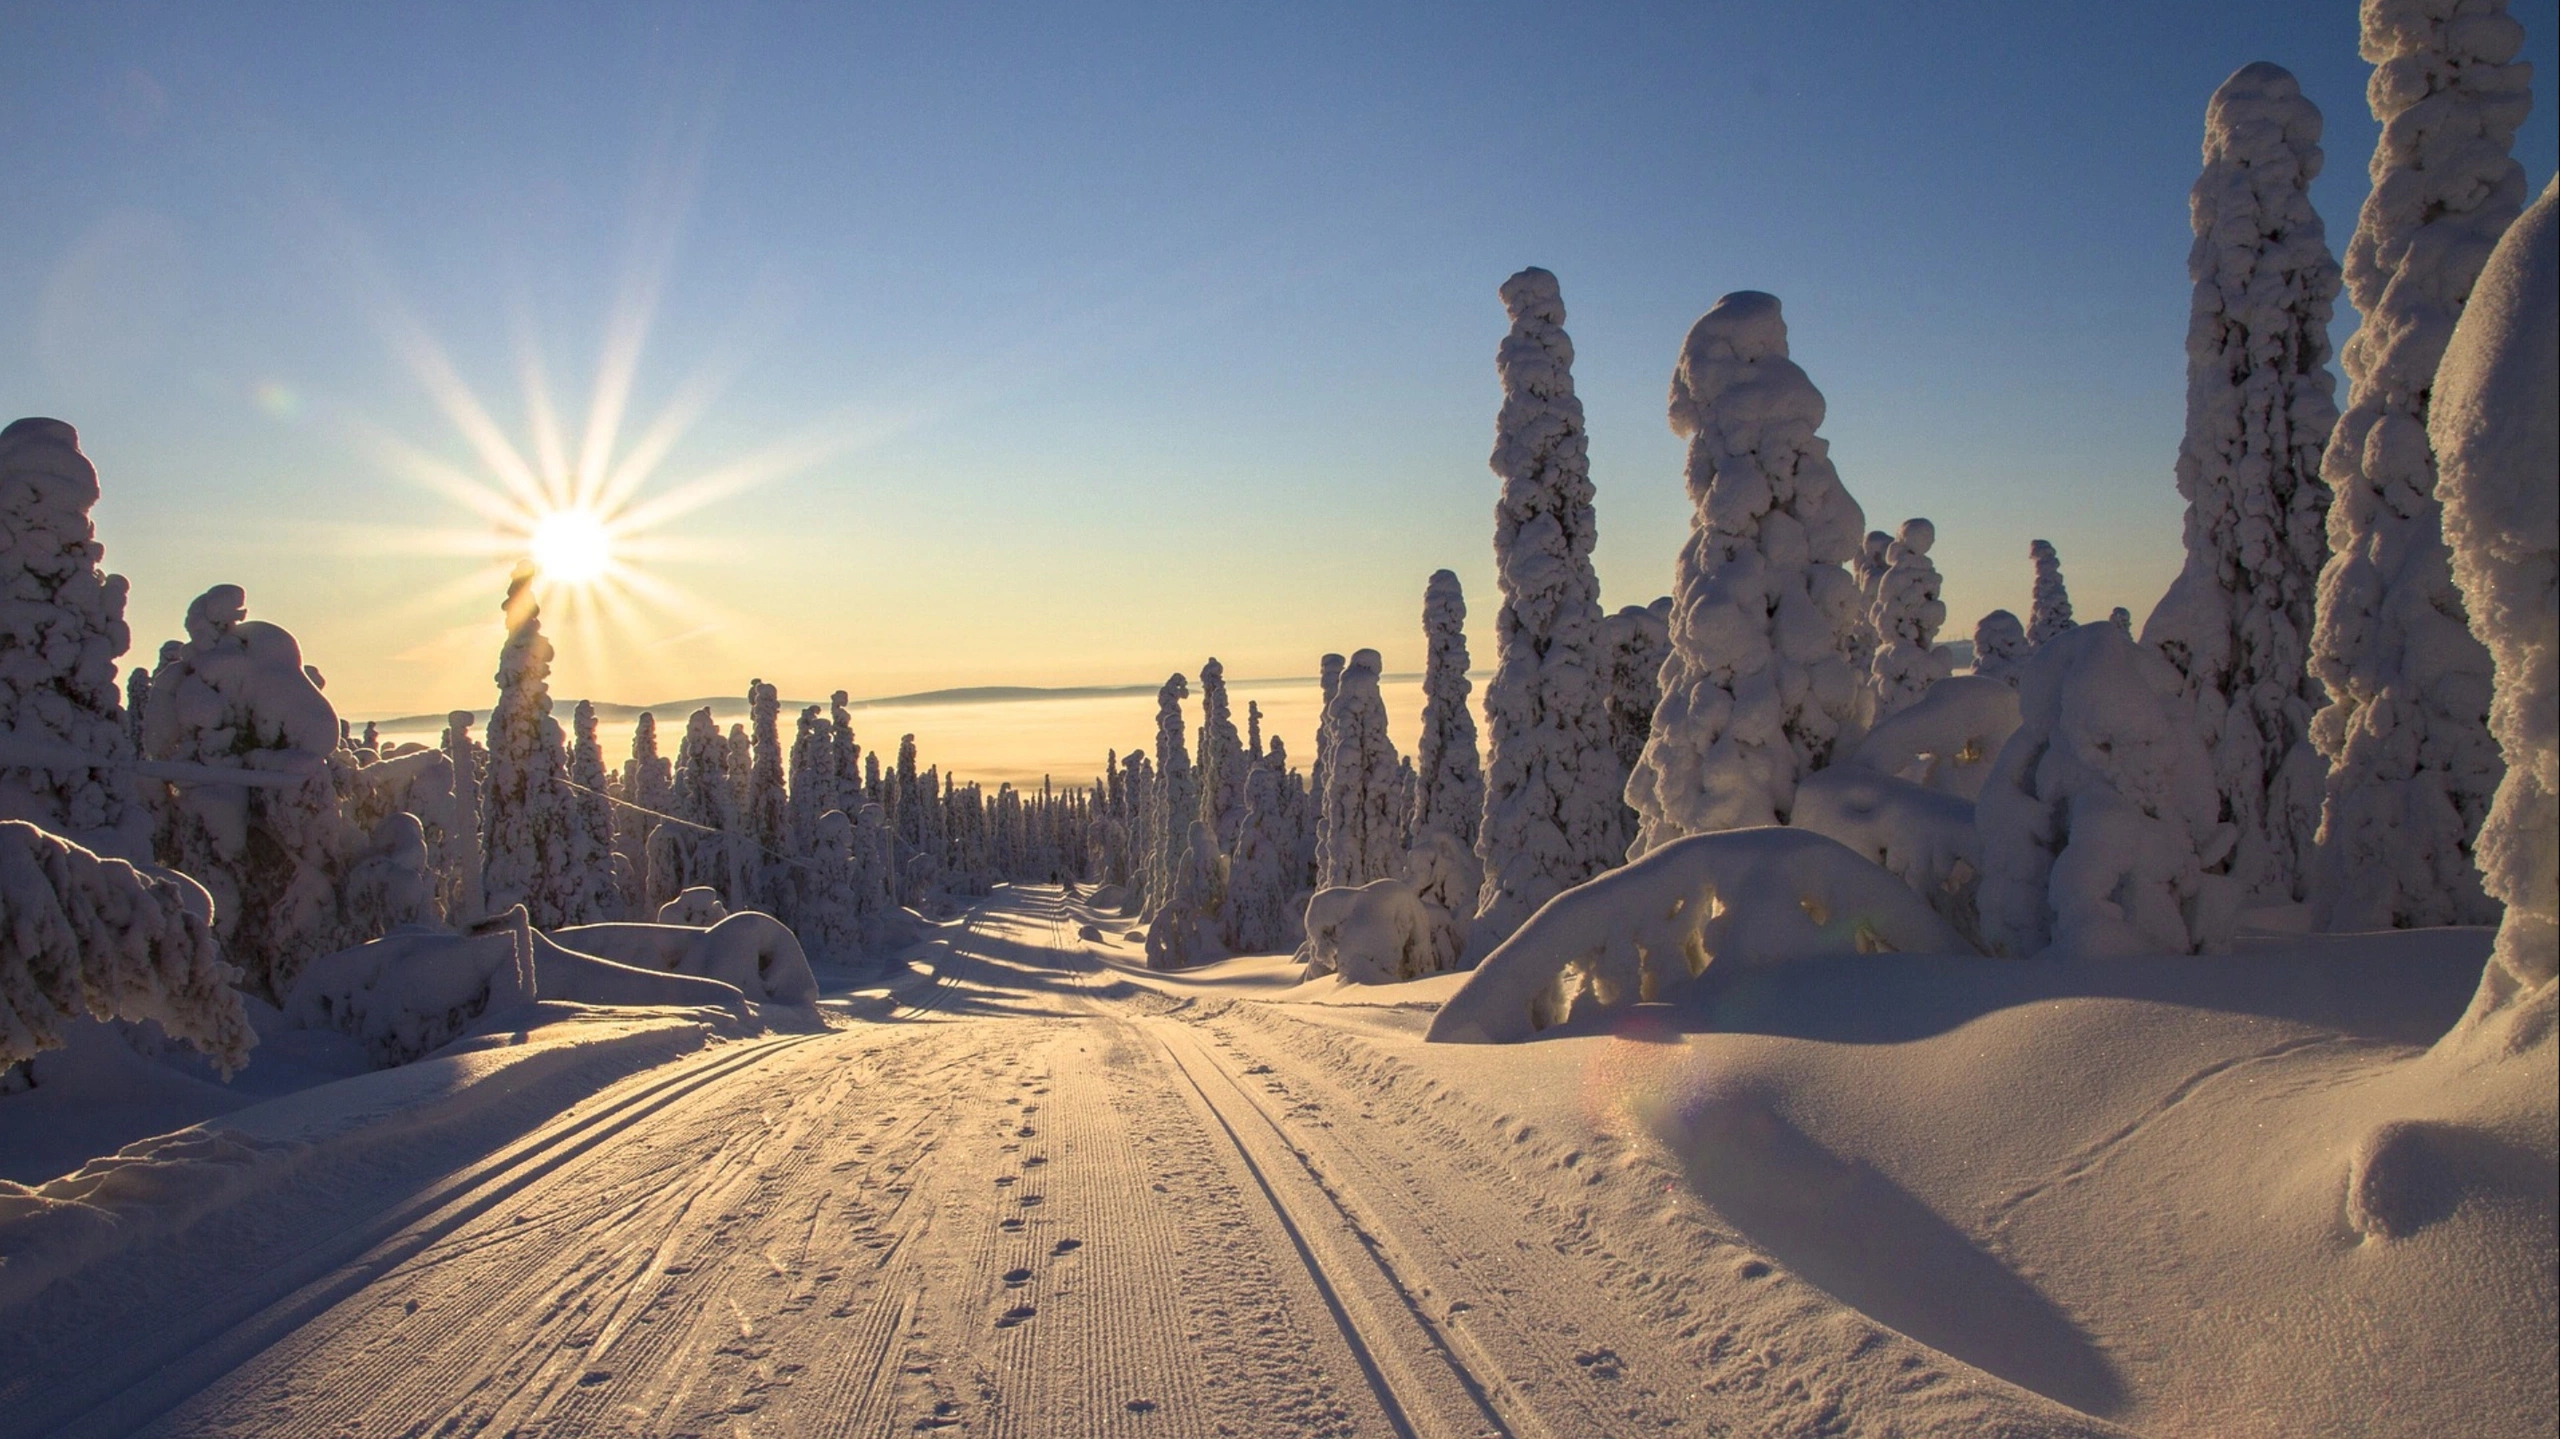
1015,1315
1066,1246
1015,1278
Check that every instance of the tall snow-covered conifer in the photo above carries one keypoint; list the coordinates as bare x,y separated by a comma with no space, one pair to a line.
1760,688
2237,621
1221,758
1174,798
526,828
1363,829
1551,816
1449,797
2495,424
590,894
1907,614
2050,613
2412,765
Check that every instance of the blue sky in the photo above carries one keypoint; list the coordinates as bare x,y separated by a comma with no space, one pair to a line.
1084,344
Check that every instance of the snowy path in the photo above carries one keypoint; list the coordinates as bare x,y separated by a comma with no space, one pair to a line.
1044,1201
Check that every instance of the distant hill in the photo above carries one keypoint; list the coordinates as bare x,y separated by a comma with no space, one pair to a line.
732,709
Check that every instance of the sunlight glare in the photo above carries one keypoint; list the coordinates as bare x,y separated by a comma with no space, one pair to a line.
571,547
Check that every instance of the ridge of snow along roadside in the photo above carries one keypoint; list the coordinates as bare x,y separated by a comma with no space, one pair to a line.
160,1186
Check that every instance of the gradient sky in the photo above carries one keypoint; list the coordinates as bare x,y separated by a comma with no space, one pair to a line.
1051,348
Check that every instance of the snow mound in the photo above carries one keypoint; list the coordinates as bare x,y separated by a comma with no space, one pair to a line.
1377,933
1746,897
151,1187
1921,836
751,950
409,994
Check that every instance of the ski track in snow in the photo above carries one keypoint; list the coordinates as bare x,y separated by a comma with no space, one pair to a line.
1044,1201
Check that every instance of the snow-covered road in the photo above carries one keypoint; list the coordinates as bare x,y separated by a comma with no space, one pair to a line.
1043,1200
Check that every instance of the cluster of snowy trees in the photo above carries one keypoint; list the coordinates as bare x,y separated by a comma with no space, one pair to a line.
2342,704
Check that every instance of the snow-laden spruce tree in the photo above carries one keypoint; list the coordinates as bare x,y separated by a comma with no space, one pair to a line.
1637,639
2000,647
768,797
2412,765
1760,688
1552,782
1221,758
2237,621
458,867
2099,821
1328,683
2049,614
2495,425
1173,799
236,695
92,937
526,825
593,889
648,782
1906,616
58,651
1449,795
694,852
813,779
1362,833
844,755
1874,557
1258,884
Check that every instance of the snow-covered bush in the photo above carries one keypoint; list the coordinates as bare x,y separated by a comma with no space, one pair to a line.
697,906
1552,782
2000,647
61,631
2412,766
2495,424
2237,621
1375,933
408,994
2049,613
87,936
236,696
1759,689
389,879
1749,896
1907,615
2100,818
1449,790
1362,834
1949,740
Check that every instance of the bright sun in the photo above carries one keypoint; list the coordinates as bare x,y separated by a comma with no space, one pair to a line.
571,547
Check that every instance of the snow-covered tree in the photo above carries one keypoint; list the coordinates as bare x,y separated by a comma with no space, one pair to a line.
1637,640
2412,765
459,867
1759,689
2237,621
1258,882
693,852
2050,613
2099,819
1449,795
2495,425
1173,800
2000,647
1362,831
1874,557
237,696
1221,758
648,782
1328,683
92,937
1552,781
526,827
591,891
1906,616
1182,934
58,651
768,826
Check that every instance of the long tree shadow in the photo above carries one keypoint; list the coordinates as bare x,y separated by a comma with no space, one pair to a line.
1843,1226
